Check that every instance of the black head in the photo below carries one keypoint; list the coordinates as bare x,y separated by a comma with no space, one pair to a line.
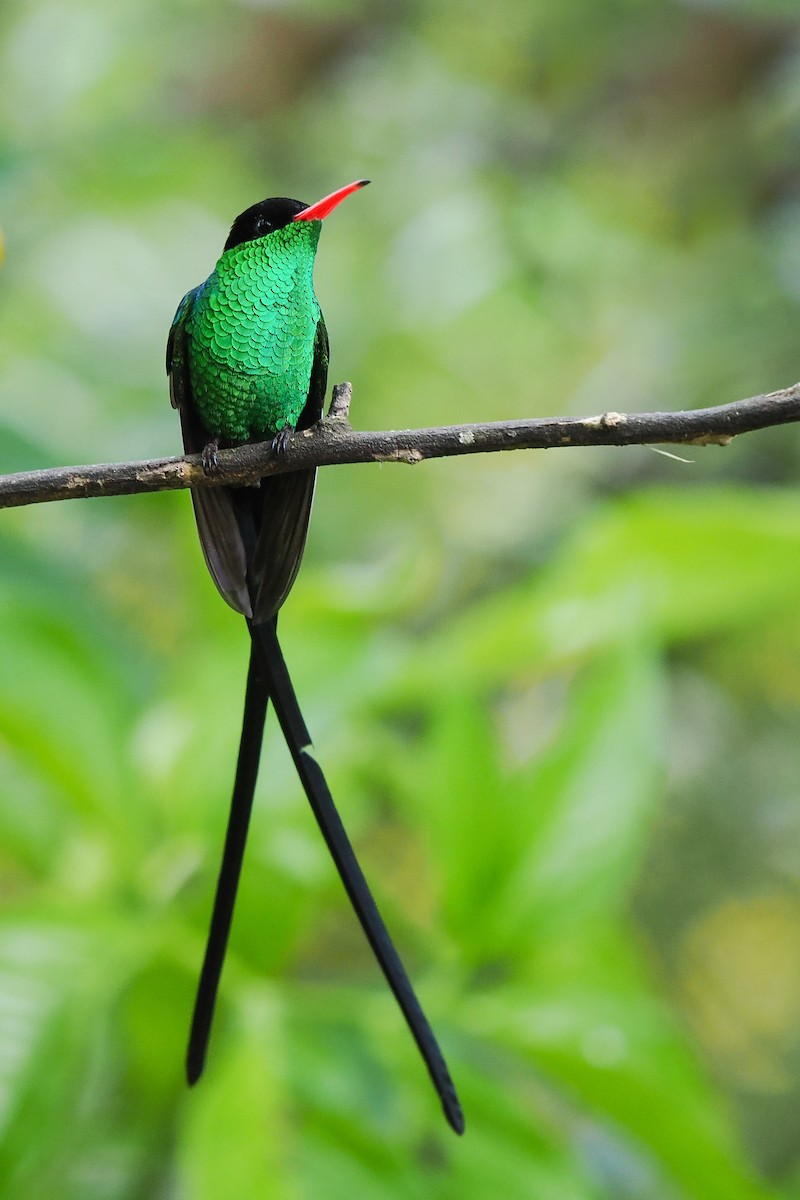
278,212
263,218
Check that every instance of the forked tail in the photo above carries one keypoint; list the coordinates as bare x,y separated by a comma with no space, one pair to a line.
279,687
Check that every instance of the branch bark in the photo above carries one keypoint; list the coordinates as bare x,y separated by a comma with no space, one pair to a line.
333,442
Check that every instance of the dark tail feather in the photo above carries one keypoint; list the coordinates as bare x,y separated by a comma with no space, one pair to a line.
279,686
255,711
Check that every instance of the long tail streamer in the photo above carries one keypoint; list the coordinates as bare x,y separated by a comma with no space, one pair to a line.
279,685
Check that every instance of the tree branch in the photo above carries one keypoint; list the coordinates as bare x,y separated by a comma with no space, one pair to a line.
333,442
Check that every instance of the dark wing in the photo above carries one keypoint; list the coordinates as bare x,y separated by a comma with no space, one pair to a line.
285,507
214,510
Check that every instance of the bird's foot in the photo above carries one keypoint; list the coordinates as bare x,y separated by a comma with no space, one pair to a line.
281,440
209,456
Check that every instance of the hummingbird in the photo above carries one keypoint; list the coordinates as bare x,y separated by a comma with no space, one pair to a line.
247,360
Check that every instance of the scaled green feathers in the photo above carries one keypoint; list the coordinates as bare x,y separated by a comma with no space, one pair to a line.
251,328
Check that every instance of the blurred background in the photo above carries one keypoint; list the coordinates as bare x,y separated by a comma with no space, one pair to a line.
557,696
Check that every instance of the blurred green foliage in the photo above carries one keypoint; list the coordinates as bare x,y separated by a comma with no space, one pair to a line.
558,696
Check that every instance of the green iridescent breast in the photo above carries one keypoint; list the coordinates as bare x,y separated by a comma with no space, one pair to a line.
251,335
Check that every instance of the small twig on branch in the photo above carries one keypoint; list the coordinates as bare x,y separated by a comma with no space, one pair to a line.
334,442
